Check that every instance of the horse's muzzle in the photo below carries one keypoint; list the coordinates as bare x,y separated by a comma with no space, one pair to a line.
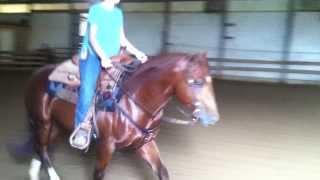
206,118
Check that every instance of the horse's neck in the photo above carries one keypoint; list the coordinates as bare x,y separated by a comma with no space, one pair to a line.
155,92
152,87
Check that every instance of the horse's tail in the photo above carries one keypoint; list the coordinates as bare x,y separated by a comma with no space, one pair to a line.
37,83
23,151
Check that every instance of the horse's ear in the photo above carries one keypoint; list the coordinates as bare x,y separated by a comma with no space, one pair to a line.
200,56
203,55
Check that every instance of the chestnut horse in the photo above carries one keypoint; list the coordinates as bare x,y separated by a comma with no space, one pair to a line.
147,91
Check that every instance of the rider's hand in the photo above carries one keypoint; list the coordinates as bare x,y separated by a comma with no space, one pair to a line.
141,56
106,63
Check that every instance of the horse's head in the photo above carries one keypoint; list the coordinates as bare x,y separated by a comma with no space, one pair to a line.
194,88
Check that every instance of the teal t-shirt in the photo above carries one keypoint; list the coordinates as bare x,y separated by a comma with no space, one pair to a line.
109,24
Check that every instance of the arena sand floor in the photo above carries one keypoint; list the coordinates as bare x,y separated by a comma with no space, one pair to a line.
266,132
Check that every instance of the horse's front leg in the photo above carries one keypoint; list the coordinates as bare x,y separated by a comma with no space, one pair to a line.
105,150
150,153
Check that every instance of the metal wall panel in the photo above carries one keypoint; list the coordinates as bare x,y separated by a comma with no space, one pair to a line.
255,35
144,30
255,45
7,39
195,32
306,37
52,29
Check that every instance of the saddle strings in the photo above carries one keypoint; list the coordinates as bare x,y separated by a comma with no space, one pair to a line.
117,77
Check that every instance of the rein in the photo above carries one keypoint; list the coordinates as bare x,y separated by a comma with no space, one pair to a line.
180,121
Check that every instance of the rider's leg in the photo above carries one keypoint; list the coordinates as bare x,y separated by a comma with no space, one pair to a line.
89,73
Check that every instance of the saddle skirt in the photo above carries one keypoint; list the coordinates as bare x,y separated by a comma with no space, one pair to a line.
66,73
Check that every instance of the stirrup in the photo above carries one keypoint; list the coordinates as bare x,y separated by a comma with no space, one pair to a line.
88,138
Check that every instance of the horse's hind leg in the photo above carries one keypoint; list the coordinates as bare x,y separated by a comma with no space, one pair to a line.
44,136
150,153
44,144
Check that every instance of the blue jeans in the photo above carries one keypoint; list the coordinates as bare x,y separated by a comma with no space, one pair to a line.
89,74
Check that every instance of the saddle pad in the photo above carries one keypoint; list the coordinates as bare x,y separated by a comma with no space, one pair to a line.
104,101
67,95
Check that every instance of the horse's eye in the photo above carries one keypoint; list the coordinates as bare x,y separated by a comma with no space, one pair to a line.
191,81
199,82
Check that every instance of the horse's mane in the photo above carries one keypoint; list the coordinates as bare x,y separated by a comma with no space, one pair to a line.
152,69
160,61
